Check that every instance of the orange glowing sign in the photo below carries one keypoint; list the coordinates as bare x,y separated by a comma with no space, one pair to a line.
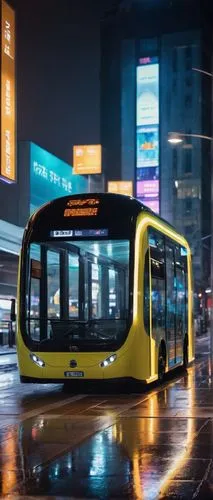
80,212
87,207
120,187
8,112
87,159
82,202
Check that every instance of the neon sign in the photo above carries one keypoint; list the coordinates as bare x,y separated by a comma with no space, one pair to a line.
82,202
80,212
8,111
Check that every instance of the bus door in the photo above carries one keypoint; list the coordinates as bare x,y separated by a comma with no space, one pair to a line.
180,314
170,303
157,254
180,304
175,303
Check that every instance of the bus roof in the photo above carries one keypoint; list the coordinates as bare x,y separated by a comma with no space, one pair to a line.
110,204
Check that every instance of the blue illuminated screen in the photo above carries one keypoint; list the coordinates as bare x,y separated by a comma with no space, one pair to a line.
147,132
51,177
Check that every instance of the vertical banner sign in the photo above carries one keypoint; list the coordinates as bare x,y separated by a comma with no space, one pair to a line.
147,132
8,112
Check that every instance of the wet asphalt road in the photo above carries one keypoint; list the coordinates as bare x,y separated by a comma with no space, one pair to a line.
116,442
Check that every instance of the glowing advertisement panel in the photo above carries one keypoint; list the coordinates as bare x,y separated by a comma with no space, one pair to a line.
147,132
87,159
148,189
50,178
8,112
120,187
147,147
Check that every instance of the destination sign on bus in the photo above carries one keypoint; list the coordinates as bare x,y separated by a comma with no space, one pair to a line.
79,233
82,202
87,207
80,212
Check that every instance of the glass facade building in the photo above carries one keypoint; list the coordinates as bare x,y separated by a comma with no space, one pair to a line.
150,89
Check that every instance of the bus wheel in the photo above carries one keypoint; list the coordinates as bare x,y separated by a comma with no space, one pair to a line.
161,365
185,353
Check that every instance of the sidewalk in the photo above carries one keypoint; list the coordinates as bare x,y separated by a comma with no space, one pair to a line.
4,349
8,358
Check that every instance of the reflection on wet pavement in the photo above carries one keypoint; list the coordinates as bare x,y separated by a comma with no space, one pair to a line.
156,444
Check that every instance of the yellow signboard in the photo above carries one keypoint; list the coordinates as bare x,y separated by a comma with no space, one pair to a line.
8,112
121,187
87,159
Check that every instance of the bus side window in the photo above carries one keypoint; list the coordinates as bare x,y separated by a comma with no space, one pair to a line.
146,306
157,253
33,296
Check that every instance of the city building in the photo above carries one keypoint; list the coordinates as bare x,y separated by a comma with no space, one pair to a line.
150,88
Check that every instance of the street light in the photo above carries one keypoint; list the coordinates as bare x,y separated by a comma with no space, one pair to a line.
178,137
174,138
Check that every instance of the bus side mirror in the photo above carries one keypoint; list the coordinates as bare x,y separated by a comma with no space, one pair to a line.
13,310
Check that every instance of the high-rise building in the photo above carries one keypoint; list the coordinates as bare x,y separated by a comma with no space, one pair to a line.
152,89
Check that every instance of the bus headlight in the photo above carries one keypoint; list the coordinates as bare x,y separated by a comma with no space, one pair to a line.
108,361
38,361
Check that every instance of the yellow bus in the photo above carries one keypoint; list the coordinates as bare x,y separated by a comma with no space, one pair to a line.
105,292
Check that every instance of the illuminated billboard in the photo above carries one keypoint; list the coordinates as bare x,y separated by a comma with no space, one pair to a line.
51,178
148,189
120,187
147,132
8,112
87,159
147,146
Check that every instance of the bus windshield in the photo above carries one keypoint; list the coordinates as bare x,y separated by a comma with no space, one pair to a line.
77,294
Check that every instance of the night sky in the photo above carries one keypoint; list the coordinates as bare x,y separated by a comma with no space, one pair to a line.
58,72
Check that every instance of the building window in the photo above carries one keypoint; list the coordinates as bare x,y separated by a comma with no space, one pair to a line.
188,162
188,206
188,58
174,85
188,81
174,162
188,101
188,137
189,230
186,189
174,60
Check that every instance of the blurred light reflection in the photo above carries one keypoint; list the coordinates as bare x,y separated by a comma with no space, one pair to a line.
9,452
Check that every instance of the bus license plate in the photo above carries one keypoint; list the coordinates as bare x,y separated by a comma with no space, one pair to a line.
74,374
